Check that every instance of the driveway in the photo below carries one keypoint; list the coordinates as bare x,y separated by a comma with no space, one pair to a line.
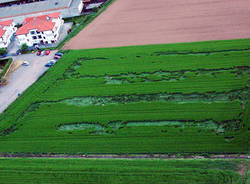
23,77
13,47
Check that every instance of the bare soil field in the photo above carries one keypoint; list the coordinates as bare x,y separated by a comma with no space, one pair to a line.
130,22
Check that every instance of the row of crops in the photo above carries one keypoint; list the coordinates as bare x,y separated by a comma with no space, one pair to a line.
118,171
186,98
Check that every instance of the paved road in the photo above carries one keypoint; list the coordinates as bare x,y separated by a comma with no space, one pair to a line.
23,77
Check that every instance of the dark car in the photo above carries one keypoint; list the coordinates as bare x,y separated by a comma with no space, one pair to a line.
59,54
3,55
57,57
48,64
38,53
18,52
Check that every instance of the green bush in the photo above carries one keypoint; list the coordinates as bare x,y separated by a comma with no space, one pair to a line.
3,51
24,48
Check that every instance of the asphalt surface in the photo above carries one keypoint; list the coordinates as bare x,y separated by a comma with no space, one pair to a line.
23,77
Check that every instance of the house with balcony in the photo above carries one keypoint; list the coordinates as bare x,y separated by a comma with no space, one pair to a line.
40,30
7,29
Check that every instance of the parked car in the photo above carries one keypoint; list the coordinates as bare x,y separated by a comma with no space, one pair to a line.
18,52
38,53
25,63
54,61
46,52
43,53
50,63
57,57
59,54
3,55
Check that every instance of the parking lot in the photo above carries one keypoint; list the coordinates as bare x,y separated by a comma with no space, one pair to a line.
23,77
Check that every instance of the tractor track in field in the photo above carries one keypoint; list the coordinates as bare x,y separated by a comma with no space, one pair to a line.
242,167
127,156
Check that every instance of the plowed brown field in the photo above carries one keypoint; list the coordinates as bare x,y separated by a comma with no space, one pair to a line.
139,22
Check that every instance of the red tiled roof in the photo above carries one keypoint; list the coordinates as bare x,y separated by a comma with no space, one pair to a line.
54,15
2,32
2,24
51,15
6,23
41,23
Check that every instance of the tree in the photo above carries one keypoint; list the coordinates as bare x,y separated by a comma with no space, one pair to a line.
3,81
24,47
3,51
95,9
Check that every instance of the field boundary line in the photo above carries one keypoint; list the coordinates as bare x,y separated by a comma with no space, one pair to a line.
127,156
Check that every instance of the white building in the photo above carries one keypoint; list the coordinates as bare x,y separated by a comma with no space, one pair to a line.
20,9
7,29
38,30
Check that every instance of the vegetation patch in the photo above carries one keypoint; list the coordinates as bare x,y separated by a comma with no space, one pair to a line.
113,126
4,65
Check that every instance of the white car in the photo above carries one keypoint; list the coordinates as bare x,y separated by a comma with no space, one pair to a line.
25,63
53,61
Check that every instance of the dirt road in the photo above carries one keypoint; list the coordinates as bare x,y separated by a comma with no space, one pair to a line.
139,22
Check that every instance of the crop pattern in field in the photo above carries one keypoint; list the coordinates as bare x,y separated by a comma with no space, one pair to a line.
188,97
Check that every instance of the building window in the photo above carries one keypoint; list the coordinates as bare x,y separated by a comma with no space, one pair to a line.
39,36
44,37
32,32
55,35
34,37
